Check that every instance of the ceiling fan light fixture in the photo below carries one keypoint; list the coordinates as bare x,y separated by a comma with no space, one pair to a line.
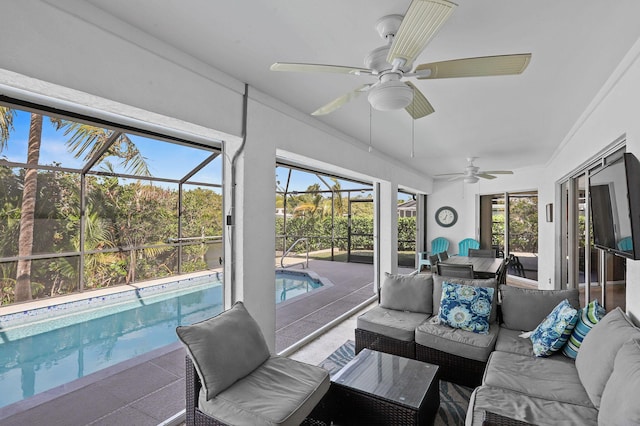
471,179
390,95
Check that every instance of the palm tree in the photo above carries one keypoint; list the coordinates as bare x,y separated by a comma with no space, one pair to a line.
27,212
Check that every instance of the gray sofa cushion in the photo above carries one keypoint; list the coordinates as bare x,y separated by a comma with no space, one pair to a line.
519,406
413,293
523,309
398,325
619,404
490,283
510,341
548,378
281,392
463,343
224,348
598,351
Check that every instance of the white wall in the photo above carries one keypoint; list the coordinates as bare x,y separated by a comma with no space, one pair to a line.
107,68
464,198
612,114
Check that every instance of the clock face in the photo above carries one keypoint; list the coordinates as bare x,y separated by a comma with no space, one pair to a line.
446,216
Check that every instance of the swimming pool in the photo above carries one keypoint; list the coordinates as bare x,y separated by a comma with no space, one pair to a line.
42,354
52,346
290,284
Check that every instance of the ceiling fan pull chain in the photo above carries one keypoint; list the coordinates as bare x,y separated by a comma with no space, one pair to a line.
370,143
413,125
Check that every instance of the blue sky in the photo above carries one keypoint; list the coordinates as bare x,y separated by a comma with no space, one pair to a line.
164,159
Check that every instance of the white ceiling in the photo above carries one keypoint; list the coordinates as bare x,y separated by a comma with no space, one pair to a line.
507,121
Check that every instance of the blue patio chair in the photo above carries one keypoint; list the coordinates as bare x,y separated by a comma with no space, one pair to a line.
625,244
465,245
438,245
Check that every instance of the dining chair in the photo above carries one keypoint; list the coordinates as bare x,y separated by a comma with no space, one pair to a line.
455,270
482,253
501,274
466,244
433,262
438,245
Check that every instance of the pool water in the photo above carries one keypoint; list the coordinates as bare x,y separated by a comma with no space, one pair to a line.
39,356
290,284
49,351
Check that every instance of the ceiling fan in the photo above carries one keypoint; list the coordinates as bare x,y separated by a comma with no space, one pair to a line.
406,38
472,173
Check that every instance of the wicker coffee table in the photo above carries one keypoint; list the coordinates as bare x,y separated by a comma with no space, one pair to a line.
383,389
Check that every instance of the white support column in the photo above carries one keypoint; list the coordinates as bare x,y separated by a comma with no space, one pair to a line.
387,227
249,270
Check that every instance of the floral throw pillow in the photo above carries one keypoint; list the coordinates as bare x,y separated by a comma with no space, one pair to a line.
466,307
554,331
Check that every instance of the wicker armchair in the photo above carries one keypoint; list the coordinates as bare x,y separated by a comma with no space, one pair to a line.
232,378
320,416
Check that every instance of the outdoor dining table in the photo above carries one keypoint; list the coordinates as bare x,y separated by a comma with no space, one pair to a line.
483,267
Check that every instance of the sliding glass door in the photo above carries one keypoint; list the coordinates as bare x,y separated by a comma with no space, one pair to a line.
598,275
509,224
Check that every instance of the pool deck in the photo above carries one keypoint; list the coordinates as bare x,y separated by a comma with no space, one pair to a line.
150,389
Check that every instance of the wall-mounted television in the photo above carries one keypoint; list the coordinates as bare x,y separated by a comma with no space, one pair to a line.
615,206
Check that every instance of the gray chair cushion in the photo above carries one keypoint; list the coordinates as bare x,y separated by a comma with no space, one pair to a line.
523,309
455,341
281,392
398,325
523,407
224,348
598,351
548,378
619,404
490,283
411,293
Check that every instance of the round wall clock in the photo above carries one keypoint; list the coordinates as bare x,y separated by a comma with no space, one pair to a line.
446,216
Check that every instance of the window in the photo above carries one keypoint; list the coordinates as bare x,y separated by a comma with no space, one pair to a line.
86,206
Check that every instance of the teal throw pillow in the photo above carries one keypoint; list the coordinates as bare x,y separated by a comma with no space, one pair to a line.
466,307
587,318
552,333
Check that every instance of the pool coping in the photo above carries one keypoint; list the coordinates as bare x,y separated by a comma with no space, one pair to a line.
22,313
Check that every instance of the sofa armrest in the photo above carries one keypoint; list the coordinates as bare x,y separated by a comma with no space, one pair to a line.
494,419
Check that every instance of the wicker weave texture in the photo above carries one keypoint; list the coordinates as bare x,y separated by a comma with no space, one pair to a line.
493,419
360,408
381,343
453,368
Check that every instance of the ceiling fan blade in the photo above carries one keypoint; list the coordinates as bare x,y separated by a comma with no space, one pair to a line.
475,67
496,172
339,102
421,22
485,176
449,174
420,106
339,69
456,178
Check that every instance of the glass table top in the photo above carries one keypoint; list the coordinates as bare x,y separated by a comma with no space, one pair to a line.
394,378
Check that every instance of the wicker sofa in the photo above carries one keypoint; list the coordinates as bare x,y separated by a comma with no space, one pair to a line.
514,387
600,388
